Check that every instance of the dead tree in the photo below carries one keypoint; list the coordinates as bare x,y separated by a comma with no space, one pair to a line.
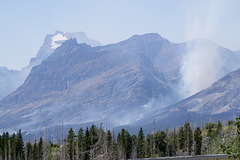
45,146
9,151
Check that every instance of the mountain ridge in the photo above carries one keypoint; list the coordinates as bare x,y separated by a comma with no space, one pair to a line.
52,88
219,101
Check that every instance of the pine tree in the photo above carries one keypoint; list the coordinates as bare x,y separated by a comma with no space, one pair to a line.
174,144
28,150
123,143
19,145
198,140
80,138
87,143
70,140
120,148
161,143
93,135
128,145
35,150
109,145
140,144
13,146
181,139
40,149
148,148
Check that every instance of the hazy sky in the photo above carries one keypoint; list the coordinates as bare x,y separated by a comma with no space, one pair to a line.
24,23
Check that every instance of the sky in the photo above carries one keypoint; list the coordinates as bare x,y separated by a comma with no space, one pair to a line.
24,24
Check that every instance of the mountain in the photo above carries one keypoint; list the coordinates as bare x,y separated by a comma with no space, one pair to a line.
183,63
123,83
80,84
166,56
220,101
52,41
10,80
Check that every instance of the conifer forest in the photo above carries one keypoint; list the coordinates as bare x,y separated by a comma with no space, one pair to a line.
98,143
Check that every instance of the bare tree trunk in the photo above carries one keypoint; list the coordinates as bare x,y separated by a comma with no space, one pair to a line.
45,147
57,136
73,146
113,144
81,157
9,152
188,136
154,146
62,149
77,150
6,152
25,150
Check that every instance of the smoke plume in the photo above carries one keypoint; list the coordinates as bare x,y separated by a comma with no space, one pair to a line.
202,63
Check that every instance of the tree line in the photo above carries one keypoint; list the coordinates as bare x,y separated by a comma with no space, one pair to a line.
96,143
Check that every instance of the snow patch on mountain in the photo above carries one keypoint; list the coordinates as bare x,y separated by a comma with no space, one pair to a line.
56,39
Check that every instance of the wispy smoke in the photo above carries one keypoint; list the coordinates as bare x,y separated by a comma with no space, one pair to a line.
202,63
201,67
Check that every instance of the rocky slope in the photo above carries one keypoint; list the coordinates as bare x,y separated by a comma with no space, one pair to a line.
10,80
221,101
80,84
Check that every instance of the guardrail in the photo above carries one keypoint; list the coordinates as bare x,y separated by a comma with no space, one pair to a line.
214,156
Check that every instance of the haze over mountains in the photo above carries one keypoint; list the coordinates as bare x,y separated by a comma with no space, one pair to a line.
10,80
220,101
126,83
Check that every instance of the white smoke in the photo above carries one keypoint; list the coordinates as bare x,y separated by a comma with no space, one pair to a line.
202,63
201,67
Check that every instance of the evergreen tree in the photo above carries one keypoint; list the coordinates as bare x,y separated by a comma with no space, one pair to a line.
93,135
148,146
174,143
40,149
29,150
219,128
121,145
35,150
128,144
13,146
181,138
109,143
87,143
140,144
70,140
80,137
161,143
19,145
198,140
